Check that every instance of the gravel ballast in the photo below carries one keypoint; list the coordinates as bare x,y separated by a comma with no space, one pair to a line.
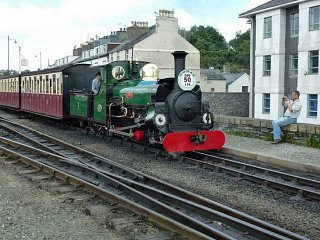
28,212
276,207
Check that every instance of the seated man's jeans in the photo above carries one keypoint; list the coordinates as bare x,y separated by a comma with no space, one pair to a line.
277,124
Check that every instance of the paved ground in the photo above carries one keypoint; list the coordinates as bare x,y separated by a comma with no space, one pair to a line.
285,151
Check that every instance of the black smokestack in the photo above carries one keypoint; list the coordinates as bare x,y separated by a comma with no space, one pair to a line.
179,65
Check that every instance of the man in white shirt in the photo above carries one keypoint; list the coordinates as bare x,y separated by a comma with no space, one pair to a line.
290,116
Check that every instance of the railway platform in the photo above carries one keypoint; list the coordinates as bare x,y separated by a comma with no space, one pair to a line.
290,156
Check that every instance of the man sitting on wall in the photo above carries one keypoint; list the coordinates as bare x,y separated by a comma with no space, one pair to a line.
290,116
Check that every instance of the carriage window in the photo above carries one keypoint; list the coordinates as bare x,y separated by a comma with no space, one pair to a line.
47,84
15,85
34,88
54,85
23,90
58,86
50,82
28,85
37,83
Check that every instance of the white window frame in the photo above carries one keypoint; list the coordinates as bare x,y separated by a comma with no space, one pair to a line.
267,27
309,111
264,109
314,12
266,71
293,72
294,25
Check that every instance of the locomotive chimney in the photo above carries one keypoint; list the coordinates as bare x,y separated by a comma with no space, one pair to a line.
179,65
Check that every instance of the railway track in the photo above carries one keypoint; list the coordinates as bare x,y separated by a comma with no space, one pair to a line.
301,186
174,208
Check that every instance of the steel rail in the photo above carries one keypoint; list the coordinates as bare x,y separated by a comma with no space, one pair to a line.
135,175
269,172
291,235
265,181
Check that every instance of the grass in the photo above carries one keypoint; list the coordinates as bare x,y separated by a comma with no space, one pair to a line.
313,141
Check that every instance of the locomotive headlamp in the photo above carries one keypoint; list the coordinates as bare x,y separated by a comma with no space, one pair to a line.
160,120
206,118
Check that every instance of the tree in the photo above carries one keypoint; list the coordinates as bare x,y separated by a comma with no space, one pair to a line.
239,49
211,44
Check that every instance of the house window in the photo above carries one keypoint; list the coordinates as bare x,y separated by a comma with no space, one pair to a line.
267,27
245,89
293,65
266,103
127,55
314,18
294,25
213,89
313,62
312,105
267,65
118,56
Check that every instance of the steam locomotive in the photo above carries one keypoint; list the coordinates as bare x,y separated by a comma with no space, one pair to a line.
132,102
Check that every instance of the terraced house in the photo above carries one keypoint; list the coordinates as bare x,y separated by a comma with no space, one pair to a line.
285,44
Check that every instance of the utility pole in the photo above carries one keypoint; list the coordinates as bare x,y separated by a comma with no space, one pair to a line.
15,41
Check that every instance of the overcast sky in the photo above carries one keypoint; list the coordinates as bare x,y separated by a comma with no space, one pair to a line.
54,27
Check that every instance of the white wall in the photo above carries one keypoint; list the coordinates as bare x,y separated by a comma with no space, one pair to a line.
275,47
208,85
308,40
158,47
236,86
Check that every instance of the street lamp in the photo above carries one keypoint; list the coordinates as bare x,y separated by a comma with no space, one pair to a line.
39,55
21,57
15,41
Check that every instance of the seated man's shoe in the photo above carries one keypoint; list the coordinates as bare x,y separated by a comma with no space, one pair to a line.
276,141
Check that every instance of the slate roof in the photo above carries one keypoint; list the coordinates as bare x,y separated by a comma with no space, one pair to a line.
130,43
212,74
267,5
231,77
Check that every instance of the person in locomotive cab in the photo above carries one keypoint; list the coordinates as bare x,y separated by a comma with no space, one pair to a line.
96,84
290,116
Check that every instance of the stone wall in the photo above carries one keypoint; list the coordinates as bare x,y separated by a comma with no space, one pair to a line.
302,134
228,104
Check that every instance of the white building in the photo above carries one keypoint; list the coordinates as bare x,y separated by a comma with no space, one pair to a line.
64,61
237,82
285,44
212,80
157,45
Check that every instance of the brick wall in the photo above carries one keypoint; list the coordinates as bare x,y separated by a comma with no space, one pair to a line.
228,104
304,134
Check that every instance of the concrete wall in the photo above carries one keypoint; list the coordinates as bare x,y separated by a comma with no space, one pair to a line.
229,104
212,85
237,85
308,41
306,134
274,46
158,48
